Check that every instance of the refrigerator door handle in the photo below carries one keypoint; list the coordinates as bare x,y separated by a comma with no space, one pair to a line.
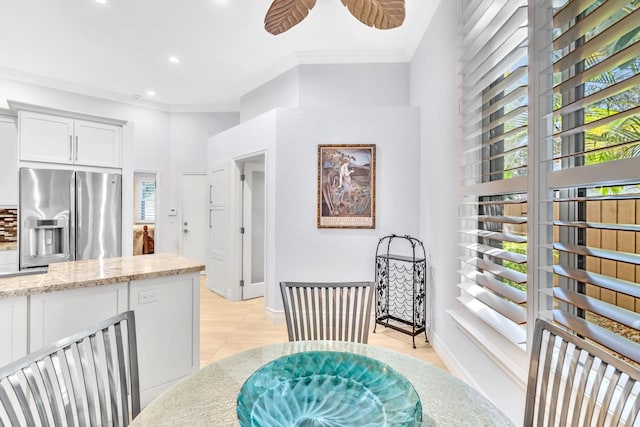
72,218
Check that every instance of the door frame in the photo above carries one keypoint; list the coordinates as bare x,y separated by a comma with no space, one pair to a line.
237,213
246,261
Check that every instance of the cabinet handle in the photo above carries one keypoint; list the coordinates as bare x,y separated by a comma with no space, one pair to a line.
210,226
76,147
70,147
210,188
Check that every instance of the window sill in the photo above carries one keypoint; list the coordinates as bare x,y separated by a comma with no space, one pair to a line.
511,358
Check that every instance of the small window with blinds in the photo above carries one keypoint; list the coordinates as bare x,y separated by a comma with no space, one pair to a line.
148,201
594,177
145,198
493,213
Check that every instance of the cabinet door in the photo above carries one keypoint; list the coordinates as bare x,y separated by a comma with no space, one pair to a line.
167,329
57,315
45,138
13,333
8,162
97,144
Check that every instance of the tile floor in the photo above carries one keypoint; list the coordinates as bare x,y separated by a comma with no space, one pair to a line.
228,327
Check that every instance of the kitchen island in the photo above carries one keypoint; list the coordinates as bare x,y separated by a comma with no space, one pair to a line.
162,289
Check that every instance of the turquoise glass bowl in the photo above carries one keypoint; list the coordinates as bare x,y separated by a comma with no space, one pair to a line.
327,388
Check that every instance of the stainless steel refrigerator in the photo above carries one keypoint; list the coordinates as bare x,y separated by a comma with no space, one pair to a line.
68,215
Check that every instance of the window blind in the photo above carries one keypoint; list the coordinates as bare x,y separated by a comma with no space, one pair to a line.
594,173
493,210
147,201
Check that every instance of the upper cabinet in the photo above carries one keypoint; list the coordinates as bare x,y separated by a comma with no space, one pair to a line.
57,139
8,161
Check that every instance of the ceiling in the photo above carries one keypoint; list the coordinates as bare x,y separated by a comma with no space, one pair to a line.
120,50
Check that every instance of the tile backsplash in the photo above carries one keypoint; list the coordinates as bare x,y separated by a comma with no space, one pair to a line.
8,225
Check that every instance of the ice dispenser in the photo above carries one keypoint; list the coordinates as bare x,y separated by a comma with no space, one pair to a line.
47,241
48,237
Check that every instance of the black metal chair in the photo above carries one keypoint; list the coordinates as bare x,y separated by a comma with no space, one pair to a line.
90,378
574,383
338,311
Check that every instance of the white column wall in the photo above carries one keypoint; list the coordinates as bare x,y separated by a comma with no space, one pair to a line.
307,253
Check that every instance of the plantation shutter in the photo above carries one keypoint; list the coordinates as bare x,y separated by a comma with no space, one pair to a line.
147,201
493,209
594,173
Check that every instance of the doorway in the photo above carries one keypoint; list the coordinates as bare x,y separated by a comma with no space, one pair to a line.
144,212
193,244
253,226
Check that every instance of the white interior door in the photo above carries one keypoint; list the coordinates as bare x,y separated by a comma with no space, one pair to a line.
253,238
218,223
195,202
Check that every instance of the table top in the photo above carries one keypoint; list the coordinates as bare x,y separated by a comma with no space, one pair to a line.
208,396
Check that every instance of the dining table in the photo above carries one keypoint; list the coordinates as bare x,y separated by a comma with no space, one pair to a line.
208,397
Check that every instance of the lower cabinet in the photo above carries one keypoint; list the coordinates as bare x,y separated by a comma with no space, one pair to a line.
167,329
13,329
167,313
57,315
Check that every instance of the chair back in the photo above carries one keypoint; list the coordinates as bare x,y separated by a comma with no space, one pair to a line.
574,383
327,311
90,378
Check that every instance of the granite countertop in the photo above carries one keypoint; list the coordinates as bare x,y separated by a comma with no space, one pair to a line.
97,272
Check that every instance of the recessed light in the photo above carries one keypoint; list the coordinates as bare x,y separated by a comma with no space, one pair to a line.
100,1
151,93
174,59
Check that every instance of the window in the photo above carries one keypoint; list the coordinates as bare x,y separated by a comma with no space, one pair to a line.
145,185
550,170
493,212
593,187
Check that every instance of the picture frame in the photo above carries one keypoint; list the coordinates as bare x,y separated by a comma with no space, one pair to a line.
346,186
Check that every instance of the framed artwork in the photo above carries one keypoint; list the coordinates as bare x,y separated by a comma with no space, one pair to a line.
347,186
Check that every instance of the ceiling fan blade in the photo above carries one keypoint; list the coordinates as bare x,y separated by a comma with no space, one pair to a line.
382,14
284,14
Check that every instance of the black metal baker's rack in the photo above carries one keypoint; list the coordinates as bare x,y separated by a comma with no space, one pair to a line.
401,285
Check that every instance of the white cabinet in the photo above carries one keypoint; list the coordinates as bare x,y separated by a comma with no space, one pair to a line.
13,329
8,262
167,329
56,139
167,313
97,144
56,315
8,162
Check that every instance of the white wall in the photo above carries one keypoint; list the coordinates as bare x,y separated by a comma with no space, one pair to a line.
434,87
280,92
297,250
331,85
351,85
154,146
306,253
